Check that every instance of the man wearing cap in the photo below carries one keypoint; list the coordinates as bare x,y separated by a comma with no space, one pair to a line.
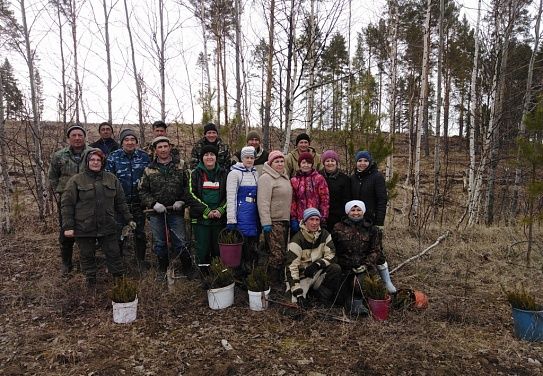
65,163
128,164
89,204
106,143
162,188
261,156
160,129
310,264
292,164
211,137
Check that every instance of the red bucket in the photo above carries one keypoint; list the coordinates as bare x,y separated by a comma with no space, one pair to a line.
231,254
379,308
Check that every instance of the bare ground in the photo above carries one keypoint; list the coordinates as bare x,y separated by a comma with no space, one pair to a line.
51,326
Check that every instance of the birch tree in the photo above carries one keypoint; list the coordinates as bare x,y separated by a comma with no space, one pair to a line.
269,77
437,157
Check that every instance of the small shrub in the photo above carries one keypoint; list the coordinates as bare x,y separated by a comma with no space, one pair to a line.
257,280
219,275
230,237
521,299
124,291
374,288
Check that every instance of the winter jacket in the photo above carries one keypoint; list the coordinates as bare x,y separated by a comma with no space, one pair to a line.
369,186
260,158
128,167
164,183
90,202
309,191
223,159
358,243
291,161
304,249
339,188
202,180
108,145
274,196
64,165
241,190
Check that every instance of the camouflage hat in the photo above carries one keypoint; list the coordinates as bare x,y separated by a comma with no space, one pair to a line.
158,139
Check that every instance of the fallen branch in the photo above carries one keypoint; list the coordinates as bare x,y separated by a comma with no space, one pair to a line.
439,240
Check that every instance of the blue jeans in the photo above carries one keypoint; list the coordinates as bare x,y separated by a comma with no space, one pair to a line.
176,226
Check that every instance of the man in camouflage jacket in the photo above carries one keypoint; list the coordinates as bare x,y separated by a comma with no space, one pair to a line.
65,163
211,137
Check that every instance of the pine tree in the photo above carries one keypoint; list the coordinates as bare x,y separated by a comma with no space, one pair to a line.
12,95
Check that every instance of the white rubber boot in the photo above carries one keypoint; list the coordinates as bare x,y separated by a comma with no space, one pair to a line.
385,276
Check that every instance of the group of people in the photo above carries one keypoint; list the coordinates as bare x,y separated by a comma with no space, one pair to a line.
311,224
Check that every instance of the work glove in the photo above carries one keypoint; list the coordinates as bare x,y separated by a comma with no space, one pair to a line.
294,226
159,208
178,205
382,228
267,229
132,225
312,269
231,226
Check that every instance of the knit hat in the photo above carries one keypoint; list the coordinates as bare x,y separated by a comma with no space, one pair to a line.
302,136
274,155
363,154
307,156
329,154
353,203
158,139
160,124
125,133
210,127
254,134
209,149
248,151
311,212
104,124
73,128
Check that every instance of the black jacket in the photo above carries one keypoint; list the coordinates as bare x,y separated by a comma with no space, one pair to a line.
369,186
339,188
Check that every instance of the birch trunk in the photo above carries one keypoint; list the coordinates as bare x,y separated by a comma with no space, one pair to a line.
269,78
63,71
108,63
437,154
291,61
5,182
73,25
238,122
311,73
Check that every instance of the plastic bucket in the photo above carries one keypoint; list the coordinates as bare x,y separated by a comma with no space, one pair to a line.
258,300
231,254
528,325
221,298
379,308
124,313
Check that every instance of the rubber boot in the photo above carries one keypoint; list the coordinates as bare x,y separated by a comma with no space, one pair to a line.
162,269
385,276
186,262
67,265
140,256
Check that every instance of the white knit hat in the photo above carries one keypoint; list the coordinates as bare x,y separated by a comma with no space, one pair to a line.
352,203
248,151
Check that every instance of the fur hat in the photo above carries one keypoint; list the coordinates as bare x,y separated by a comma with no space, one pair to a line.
349,205
254,134
73,128
330,154
160,124
302,136
363,154
248,151
210,127
274,155
209,149
125,133
311,212
158,139
306,156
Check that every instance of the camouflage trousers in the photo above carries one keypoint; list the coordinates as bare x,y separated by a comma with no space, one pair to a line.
110,247
276,244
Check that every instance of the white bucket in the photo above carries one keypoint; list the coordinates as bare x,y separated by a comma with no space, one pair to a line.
258,300
124,313
221,298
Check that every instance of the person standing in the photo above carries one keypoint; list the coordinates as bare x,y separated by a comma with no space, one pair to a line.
89,203
211,137
311,262
162,187
274,198
106,143
160,129
206,199
309,190
292,161
339,187
65,163
368,185
261,156
241,207
127,164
